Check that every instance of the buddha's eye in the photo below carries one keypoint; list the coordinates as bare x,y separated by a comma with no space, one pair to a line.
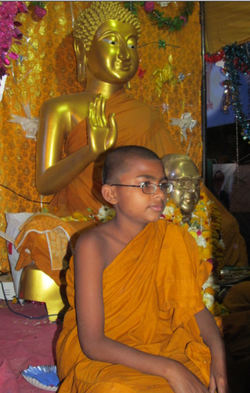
132,46
110,41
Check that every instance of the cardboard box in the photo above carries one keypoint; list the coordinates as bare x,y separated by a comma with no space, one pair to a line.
8,287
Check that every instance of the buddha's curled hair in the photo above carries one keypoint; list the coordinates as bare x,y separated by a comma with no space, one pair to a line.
100,11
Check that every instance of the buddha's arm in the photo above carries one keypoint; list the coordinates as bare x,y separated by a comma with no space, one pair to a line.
52,172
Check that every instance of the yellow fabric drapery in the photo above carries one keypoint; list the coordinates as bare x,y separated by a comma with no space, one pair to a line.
226,22
47,69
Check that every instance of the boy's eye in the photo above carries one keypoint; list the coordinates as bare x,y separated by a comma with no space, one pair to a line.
164,186
147,186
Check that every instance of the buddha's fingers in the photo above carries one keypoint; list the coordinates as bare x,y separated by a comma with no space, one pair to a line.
91,115
112,133
102,110
97,107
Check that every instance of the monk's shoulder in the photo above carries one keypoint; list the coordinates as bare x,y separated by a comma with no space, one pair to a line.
90,241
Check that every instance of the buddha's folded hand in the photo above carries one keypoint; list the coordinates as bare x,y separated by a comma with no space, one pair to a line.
102,134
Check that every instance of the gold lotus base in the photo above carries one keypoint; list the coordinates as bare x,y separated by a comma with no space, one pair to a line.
37,286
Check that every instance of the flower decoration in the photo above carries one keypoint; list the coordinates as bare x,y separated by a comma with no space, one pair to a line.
171,24
38,10
10,34
104,214
205,226
158,18
184,20
141,73
149,6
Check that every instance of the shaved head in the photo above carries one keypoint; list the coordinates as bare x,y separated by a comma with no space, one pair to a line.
118,161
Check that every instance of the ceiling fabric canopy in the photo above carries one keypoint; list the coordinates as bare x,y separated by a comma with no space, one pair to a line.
226,22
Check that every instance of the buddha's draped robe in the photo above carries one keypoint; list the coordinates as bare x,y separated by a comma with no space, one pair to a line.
139,125
151,292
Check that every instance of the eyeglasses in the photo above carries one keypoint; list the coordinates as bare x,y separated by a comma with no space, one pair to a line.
150,188
188,183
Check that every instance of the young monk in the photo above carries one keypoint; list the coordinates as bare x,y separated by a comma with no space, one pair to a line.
137,322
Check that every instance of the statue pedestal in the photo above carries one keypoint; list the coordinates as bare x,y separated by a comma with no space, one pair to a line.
37,286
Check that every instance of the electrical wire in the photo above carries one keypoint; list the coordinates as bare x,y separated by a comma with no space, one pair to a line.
22,196
20,314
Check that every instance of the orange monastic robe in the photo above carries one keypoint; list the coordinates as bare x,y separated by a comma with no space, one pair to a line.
151,292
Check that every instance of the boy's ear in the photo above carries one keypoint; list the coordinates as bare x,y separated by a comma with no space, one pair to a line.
108,194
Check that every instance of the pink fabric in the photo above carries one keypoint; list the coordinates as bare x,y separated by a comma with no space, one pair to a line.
24,343
8,382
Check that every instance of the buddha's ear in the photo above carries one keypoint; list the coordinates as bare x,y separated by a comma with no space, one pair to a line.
109,194
81,59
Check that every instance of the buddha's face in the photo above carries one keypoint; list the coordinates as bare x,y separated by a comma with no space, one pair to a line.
186,185
113,56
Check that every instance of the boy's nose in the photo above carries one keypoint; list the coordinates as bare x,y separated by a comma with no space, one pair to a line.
159,193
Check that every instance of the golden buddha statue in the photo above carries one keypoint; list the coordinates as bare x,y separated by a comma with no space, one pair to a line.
183,174
105,43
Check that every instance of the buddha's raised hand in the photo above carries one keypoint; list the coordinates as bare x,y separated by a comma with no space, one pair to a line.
102,135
